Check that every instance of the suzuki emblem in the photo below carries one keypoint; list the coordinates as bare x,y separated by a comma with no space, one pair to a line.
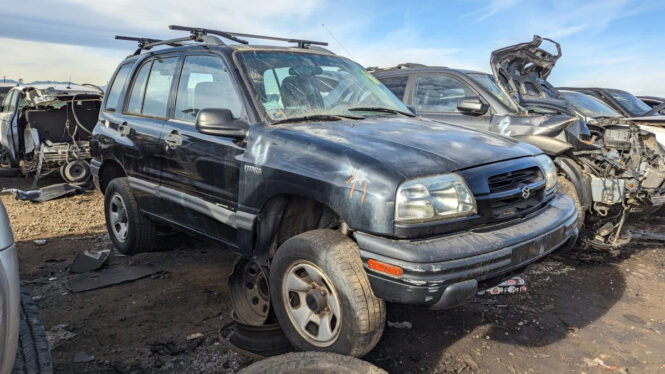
526,192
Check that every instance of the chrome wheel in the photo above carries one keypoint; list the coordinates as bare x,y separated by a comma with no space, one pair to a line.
118,217
311,303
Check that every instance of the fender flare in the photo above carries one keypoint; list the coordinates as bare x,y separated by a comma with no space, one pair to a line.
580,180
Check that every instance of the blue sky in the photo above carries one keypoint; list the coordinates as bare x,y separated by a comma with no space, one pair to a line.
617,43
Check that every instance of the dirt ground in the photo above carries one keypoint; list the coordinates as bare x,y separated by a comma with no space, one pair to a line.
585,312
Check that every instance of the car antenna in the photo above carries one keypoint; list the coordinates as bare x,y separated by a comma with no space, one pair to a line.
338,42
302,43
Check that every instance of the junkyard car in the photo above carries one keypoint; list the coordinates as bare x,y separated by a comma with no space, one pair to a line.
522,104
45,128
18,315
336,196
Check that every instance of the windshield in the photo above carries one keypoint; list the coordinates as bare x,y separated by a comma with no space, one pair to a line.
589,105
634,106
488,82
296,85
3,92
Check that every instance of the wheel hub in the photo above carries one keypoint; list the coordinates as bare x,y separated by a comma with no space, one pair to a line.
118,219
311,303
316,300
250,293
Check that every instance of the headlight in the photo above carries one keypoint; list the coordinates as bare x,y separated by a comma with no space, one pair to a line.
434,198
549,169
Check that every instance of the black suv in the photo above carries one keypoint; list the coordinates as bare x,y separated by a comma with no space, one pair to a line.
334,194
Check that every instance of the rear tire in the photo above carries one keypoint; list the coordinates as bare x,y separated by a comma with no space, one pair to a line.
32,355
312,362
130,230
322,297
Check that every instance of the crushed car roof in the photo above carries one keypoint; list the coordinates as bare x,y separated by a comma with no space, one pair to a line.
45,93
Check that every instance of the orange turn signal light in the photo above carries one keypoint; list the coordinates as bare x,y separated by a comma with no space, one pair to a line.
393,270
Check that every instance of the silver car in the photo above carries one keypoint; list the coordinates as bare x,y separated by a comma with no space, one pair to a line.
10,290
23,344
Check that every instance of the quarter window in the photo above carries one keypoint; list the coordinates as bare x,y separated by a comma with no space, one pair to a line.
135,104
205,83
439,93
116,88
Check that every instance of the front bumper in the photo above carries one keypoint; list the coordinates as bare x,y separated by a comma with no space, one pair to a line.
10,303
445,272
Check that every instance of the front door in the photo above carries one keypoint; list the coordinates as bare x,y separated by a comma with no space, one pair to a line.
201,173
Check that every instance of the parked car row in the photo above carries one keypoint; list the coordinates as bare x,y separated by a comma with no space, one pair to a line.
340,188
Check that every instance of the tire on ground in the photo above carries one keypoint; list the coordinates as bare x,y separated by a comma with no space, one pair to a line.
141,232
312,362
32,355
363,315
567,188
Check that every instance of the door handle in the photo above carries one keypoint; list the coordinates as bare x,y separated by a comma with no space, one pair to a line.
173,140
123,129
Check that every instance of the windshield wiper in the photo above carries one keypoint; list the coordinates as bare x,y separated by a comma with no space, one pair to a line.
379,109
317,117
655,110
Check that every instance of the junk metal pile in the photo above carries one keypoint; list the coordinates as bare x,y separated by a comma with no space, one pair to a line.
337,193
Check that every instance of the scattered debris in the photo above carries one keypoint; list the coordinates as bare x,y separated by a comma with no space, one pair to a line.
43,194
82,357
597,362
195,335
511,286
39,241
89,260
57,334
647,236
400,325
108,277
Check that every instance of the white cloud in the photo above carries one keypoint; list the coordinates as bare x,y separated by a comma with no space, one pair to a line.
48,61
494,7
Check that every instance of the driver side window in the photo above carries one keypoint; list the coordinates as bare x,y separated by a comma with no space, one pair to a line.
206,83
439,93
8,103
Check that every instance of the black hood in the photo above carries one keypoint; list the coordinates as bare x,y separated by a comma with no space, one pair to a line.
411,146
522,70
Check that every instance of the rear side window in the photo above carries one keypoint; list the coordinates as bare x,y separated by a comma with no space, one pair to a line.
8,103
116,88
396,84
158,89
205,83
439,93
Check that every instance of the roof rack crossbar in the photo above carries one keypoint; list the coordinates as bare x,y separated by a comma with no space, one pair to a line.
302,43
148,43
199,31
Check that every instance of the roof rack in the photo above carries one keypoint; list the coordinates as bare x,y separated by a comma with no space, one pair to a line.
148,43
302,43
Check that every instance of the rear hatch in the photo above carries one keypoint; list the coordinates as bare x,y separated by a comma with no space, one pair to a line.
522,70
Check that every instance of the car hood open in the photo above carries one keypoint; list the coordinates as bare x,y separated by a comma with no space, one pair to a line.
522,70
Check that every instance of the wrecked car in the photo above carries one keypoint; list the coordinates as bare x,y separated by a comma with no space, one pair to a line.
46,128
623,102
606,182
336,197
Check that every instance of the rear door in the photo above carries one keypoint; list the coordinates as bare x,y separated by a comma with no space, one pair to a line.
8,130
201,173
436,96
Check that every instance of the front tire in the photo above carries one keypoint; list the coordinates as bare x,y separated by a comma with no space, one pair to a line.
130,230
33,355
322,297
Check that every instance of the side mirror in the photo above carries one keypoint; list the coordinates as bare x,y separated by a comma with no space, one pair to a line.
220,122
412,108
472,105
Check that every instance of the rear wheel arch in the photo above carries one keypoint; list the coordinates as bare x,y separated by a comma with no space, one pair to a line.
110,170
